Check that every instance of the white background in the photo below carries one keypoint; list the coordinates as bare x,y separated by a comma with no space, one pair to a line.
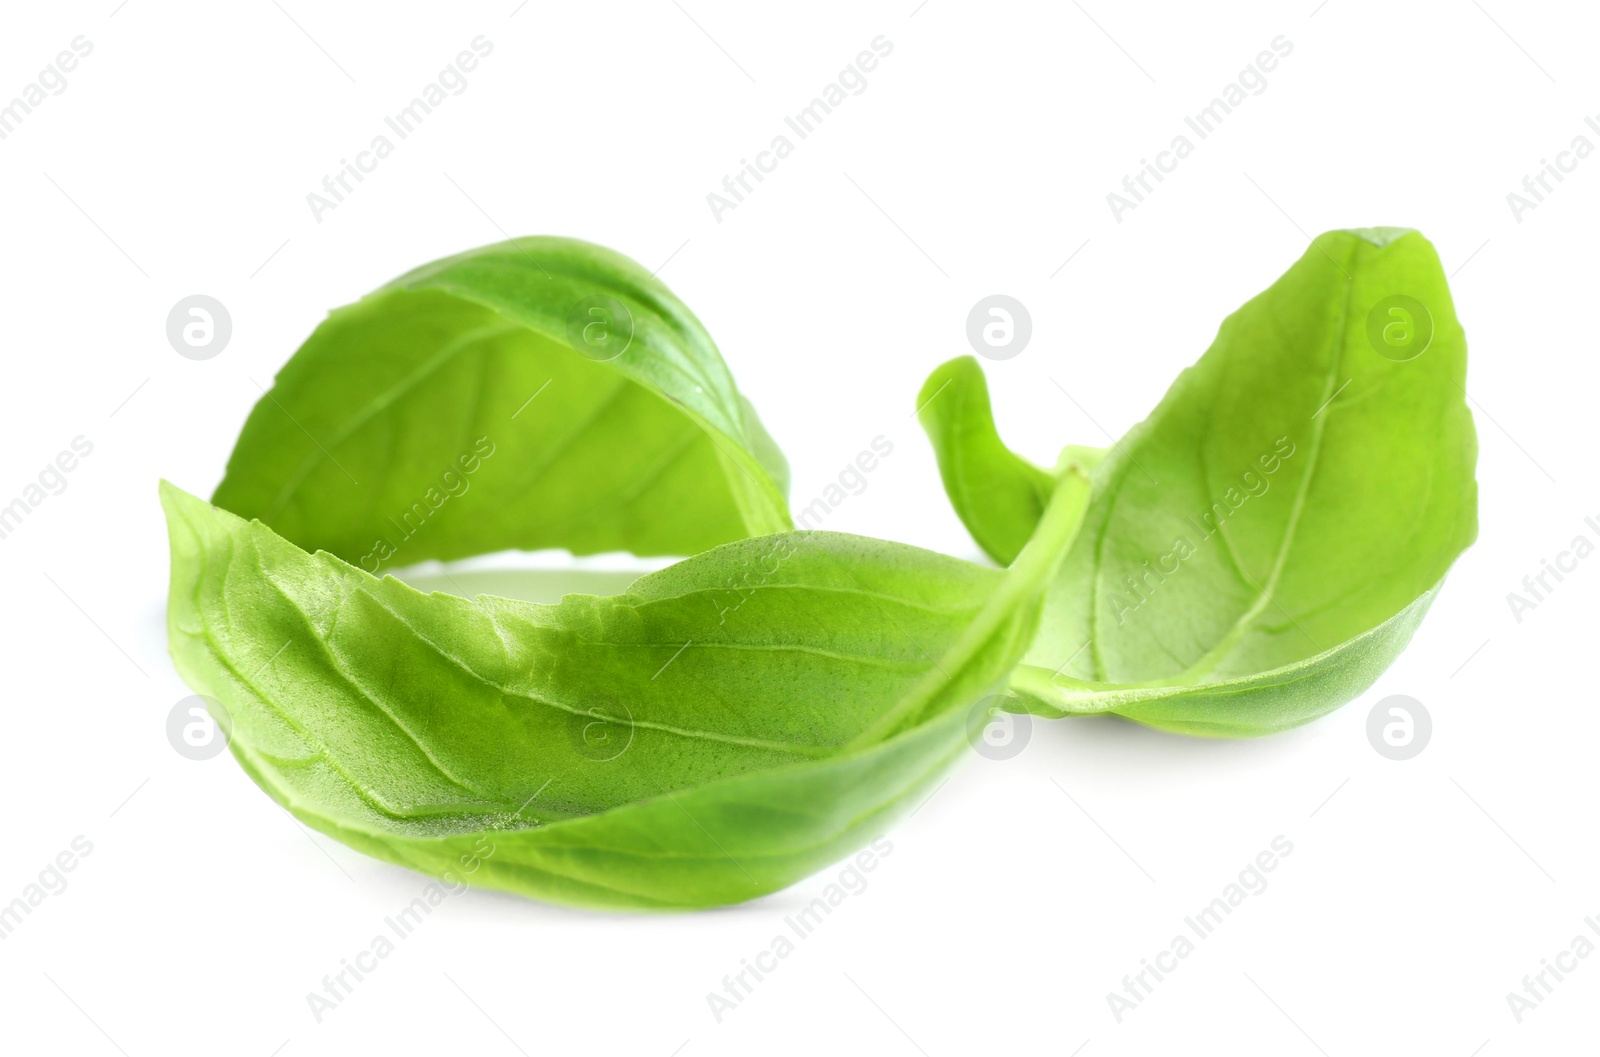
977,161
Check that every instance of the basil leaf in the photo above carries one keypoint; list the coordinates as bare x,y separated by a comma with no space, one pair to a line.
725,727
536,393
1263,545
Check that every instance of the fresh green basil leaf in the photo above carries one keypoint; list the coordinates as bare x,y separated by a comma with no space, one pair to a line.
537,393
1263,546
722,729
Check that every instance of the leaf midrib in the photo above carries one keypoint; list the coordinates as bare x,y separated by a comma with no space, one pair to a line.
1208,662
1264,595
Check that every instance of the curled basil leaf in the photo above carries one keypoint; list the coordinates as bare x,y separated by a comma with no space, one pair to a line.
722,729
1262,546
537,393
